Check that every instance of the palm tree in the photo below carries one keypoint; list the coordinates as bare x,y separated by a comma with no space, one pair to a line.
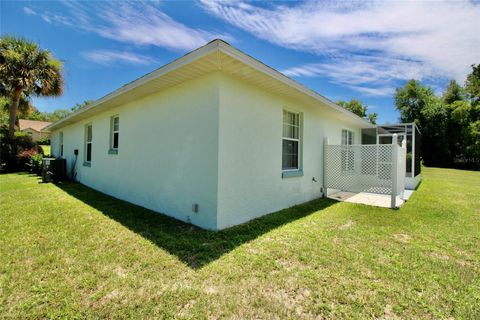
26,70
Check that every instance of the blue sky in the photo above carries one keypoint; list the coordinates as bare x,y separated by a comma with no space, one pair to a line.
342,50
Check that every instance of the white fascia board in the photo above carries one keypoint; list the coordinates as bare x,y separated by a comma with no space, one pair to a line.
216,45
180,62
258,65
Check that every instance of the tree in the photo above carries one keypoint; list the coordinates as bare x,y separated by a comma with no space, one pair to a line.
26,69
419,104
359,109
79,106
453,93
472,85
412,99
354,106
372,117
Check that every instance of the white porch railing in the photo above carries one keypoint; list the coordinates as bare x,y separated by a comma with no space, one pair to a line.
376,168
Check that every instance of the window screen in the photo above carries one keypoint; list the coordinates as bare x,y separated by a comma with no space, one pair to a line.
291,141
115,132
88,142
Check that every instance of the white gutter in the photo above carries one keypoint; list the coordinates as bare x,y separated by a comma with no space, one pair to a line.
260,66
186,59
215,45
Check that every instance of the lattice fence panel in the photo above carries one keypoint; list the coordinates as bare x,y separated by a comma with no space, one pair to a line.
359,168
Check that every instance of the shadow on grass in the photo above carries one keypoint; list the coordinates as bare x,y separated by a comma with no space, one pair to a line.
194,246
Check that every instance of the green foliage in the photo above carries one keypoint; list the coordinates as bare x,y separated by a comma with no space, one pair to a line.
372,117
453,93
354,106
35,163
357,107
472,85
24,64
448,124
48,116
12,150
71,252
412,99
57,114
26,70
43,140
79,106
3,113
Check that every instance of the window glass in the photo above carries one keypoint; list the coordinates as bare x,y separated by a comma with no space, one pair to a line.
291,141
115,132
88,143
60,139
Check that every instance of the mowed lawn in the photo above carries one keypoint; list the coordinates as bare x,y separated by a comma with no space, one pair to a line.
69,251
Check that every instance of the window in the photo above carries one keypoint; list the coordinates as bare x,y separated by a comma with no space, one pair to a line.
60,141
347,137
88,143
114,132
291,141
348,154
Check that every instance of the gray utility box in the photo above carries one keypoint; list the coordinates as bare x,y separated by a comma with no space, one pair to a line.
54,170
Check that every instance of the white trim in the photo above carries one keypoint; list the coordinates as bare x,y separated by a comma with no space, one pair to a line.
184,60
112,131
215,45
298,140
85,155
412,153
254,63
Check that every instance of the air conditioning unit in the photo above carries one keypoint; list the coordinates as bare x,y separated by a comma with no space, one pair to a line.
54,170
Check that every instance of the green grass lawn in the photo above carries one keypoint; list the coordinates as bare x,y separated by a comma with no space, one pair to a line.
69,251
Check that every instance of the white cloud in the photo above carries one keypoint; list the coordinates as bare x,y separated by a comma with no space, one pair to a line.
372,75
57,19
147,25
382,91
29,11
138,23
424,38
107,57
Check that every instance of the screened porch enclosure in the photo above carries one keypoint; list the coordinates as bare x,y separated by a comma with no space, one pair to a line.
406,131
367,169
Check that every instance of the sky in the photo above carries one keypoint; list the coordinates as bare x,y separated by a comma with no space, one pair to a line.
341,49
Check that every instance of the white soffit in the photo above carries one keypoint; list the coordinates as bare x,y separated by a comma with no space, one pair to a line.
216,55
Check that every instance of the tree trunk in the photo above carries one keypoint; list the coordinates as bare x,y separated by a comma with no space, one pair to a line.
13,111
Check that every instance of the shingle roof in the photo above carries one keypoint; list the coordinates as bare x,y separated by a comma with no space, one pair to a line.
33,124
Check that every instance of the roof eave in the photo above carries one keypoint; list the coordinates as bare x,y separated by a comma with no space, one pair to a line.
216,45
187,58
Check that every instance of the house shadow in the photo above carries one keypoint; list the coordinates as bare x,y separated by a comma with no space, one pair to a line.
193,246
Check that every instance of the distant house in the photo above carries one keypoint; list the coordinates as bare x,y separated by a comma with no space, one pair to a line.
214,138
34,128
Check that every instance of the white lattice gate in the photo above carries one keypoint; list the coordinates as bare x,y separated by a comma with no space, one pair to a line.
365,168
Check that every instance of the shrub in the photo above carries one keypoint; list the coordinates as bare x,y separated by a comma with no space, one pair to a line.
43,141
35,163
16,152
24,156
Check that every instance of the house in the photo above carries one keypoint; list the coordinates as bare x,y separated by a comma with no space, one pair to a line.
215,138
34,128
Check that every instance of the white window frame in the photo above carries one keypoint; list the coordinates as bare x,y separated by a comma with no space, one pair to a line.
348,156
348,137
60,140
87,143
113,131
298,140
